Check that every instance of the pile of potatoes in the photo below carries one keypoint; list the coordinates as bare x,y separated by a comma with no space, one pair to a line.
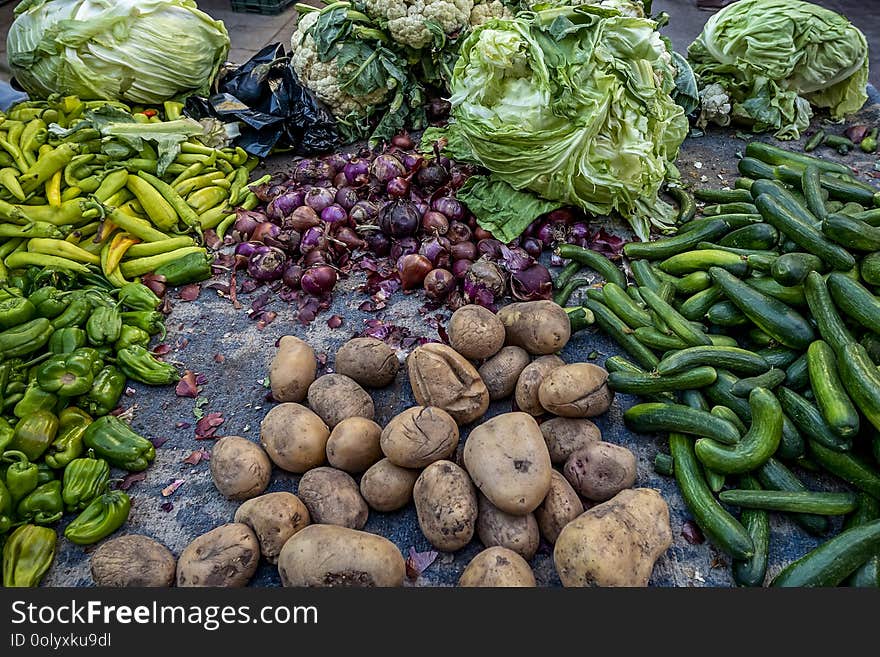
513,481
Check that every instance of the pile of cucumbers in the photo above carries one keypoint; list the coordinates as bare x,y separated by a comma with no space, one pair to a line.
753,336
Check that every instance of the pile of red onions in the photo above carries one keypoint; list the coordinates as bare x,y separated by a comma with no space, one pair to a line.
395,207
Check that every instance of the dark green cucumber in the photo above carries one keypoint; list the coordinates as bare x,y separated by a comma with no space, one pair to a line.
757,237
776,156
703,260
743,253
811,185
773,475
871,343
852,468
833,561
670,246
820,503
739,207
861,379
623,365
792,295
871,216
726,413
868,574
828,321
730,358
674,320
797,375
754,168
831,397
743,182
634,383
695,307
568,272
644,274
654,417
714,479
696,281
622,334
770,379
624,307
726,314
792,268
725,531
595,261
694,399
733,221
788,199
562,297
686,206
760,340
761,262
869,268
855,300
758,444
775,318
723,195
664,464
779,357
752,571
651,337
851,233
809,421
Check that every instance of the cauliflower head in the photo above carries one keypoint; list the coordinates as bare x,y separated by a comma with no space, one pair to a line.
406,19
487,10
323,78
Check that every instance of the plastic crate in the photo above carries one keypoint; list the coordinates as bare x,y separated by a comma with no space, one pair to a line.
266,7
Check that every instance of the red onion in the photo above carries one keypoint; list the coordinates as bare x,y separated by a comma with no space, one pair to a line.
489,247
532,247
314,257
247,220
452,208
481,234
312,239
436,249
339,180
346,197
413,269
357,171
334,214
378,242
403,140
319,198
545,234
363,213
435,222
486,274
283,205
438,284
264,230
856,133
337,161
412,161
399,219
579,231
386,168
463,251
350,238
458,232
304,218
319,280
292,275
403,247
460,268
311,171
155,283
433,176
246,249
266,263
561,215
532,283
398,187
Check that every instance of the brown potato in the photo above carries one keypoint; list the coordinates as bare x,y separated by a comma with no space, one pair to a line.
475,332
419,436
508,461
539,327
576,390
446,506
565,436
530,381
497,567
292,370
370,362
441,377
294,437
132,560
325,555
601,470
274,517
560,507
354,444
332,498
225,556
497,528
501,372
335,397
240,469
615,543
388,487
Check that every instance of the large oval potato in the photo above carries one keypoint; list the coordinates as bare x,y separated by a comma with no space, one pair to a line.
529,383
497,567
441,377
333,498
370,362
274,518
601,470
497,528
294,437
501,372
335,397
508,461
615,543
132,560
388,487
576,390
326,555
446,506
354,444
240,469
419,436
560,507
475,332
539,327
292,370
226,556
565,436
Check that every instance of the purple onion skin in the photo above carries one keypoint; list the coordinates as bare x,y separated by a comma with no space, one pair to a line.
460,268
314,257
579,231
378,242
333,214
357,171
438,284
247,249
318,280
436,249
318,198
531,284
482,234
402,247
412,161
312,239
266,263
283,205
265,230
458,232
545,234
347,197
292,276
247,221
399,219
337,161
403,140
386,167
451,207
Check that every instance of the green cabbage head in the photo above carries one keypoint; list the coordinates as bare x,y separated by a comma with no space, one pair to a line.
775,58
574,105
138,51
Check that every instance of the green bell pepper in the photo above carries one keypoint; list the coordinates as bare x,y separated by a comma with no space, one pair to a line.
68,443
67,375
103,516
113,440
104,325
5,508
43,505
148,320
191,268
25,338
33,434
107,389
132,336
67,340
96,356
136,296
22,476
84,480
27,555
49,301
35,399
139,364
75,314
45,474
6,434
15,311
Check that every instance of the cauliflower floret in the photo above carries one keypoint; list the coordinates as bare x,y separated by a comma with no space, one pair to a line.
322,78
405,19
488,9
714,106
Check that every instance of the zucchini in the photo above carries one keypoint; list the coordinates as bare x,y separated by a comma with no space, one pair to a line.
787,199
670,246
731,358
825,504
828,321
756,237
868,574
862,381
723,195
775,318
725,531
831,398
695,307
773,475
851,233
622,334
703,260
634,383
779,357
809,420
654,417
833,561
776,156
758,444
726,314
792,268
855,300
738,207
792,295
674,320
770,379
752,571
852,468
869,268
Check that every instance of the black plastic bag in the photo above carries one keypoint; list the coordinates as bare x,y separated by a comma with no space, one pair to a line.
273,109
